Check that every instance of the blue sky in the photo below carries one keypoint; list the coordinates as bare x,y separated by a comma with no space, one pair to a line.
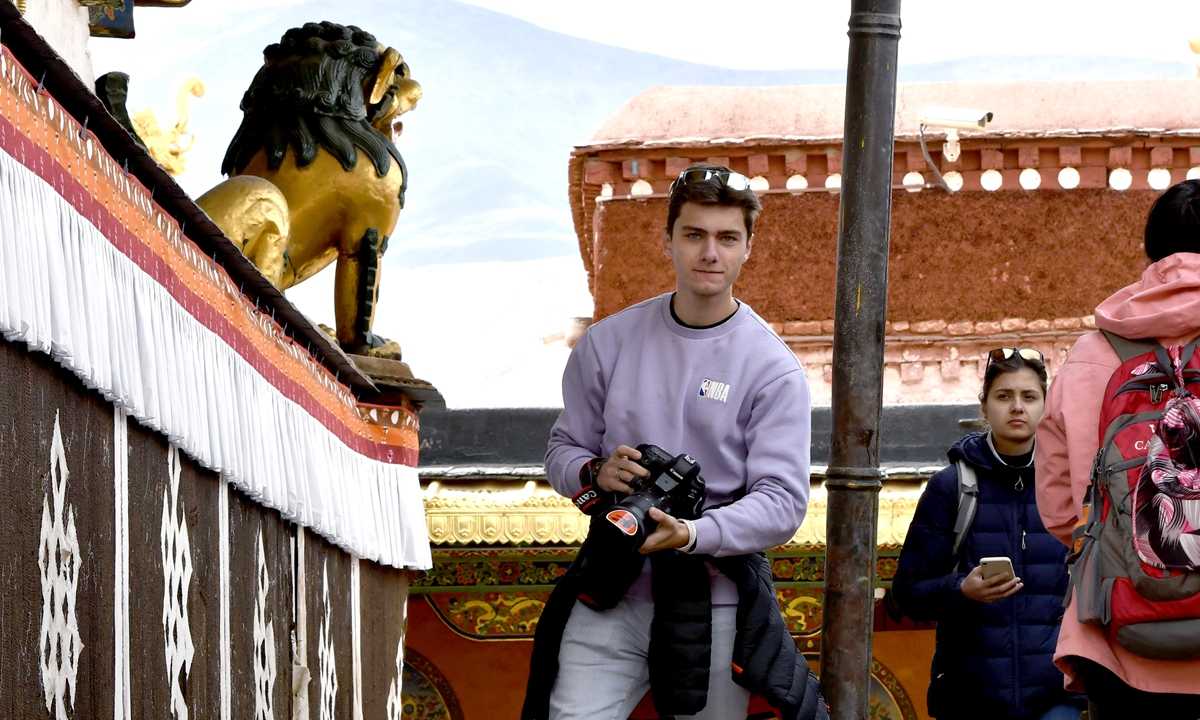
787,34
512,85
484,260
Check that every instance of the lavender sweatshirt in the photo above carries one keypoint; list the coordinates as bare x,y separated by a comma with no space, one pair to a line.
734,397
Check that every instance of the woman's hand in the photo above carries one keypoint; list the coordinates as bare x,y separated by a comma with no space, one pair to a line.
997,587
618,470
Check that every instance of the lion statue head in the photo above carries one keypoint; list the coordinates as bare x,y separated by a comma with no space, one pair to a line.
324,86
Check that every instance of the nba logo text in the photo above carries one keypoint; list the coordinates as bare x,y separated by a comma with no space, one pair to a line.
714,390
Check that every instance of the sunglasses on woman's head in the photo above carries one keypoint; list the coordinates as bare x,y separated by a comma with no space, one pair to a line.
1002,354
732,180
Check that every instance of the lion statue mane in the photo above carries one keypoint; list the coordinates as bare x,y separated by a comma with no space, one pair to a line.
297,198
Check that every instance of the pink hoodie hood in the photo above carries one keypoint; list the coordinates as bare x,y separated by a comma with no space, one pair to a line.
1164,304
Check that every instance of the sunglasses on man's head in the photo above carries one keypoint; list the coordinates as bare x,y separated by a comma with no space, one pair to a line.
732,180
1002,354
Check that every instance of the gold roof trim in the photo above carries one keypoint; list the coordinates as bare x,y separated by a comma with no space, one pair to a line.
489,513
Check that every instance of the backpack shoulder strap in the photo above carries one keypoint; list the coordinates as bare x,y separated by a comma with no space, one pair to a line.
1129,349
968,502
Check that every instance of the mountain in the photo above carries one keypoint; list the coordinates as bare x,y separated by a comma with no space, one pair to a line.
487,148
504,103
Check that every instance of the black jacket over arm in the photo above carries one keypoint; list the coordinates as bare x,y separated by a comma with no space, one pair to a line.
770,663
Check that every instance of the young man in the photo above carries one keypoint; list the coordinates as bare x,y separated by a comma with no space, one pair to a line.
698,372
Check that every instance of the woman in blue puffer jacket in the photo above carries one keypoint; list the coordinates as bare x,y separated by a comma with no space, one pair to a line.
995,637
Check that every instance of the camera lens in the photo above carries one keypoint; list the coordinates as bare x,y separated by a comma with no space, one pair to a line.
629,522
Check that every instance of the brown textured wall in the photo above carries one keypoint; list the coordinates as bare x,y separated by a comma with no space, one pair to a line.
322,558
970,256
384,599
34,391
247,519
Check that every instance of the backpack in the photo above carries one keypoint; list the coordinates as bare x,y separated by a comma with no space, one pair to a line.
1121,583
968,503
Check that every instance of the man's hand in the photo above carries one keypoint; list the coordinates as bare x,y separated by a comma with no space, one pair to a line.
669,535
997,587
618,470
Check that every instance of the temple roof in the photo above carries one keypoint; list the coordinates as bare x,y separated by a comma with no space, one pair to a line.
687,115
55,77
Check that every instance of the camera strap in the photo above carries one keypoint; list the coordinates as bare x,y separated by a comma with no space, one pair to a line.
587,499
591,499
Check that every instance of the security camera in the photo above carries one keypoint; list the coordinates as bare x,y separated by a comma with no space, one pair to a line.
954,118
951,120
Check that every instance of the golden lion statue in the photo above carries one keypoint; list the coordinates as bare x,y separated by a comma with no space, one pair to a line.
297,197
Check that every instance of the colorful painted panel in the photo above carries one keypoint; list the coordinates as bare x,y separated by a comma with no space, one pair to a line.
889,701
499,594
427,693
477,570
110,18
490,615
540,568
510,615
801,608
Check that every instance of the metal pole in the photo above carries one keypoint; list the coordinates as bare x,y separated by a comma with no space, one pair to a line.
853,478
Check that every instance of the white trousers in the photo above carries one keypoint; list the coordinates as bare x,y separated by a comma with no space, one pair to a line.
603,670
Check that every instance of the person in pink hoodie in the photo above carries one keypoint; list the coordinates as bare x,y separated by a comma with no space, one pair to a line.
1163,305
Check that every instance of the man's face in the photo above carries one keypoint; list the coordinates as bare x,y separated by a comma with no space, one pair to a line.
708,246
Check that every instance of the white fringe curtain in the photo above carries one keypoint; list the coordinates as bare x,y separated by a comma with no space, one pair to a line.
67,291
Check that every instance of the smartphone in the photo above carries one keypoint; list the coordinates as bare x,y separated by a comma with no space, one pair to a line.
993,566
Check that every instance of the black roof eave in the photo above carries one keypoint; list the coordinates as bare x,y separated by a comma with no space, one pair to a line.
511,442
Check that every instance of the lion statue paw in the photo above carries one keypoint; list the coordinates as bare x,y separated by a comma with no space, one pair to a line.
381,347
390,350
373,345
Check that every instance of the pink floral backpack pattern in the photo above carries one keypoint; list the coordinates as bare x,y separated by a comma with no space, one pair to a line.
1166,498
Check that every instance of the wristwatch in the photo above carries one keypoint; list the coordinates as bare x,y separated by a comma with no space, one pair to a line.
591,499
590,471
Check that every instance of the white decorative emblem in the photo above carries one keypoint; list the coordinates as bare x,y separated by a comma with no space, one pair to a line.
714,390
58,559
264,643
395,703
327,665
177,579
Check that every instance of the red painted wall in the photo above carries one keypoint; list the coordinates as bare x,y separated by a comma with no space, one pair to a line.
970,256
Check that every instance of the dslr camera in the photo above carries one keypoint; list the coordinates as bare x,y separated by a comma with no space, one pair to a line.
675,486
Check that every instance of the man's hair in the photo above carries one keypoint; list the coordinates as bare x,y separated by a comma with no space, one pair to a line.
712,192
1173,225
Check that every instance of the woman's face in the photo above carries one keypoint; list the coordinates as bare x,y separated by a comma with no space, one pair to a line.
1014,405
